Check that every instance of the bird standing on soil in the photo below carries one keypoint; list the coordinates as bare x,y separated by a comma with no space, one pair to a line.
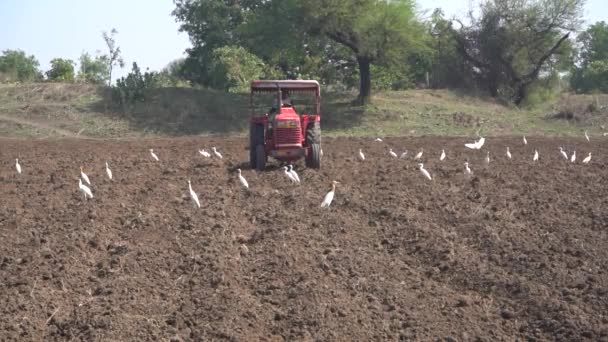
488,158
573,158
330,195
508,153
361,156
419,155
17,165
525,141
425,173
467,170
204,153
84,176
217,154
535,158
108,171
294,173
153,154
85,189
587,159
586,136
288,174
392,153
193,195
242,179
403,155
442,156
378,140
563,153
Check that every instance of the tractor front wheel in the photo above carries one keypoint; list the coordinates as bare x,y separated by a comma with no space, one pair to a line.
260,158
313,160
313,141
256,137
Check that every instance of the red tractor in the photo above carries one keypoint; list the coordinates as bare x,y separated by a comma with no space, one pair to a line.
284,134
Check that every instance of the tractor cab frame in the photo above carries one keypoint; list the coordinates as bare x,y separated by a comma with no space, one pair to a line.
287,136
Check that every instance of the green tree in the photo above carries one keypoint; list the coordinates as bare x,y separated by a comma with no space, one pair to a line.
114,57
62,70
375,31
234,68
511,41
211,24
591,70
93,70
15,65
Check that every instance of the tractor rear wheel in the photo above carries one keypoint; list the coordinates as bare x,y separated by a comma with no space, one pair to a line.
256,137
260,158
313,141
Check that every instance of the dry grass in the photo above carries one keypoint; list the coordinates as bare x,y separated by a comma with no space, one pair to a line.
87,110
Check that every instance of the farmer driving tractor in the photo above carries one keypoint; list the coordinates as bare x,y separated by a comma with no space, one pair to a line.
285,102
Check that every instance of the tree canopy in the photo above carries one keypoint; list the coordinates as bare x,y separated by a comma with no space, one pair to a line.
591,70
93,70
62,70
511,41
16,66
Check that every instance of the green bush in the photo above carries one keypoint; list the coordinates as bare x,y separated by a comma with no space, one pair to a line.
62,70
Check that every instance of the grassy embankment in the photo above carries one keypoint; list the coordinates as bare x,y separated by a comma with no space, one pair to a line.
49,110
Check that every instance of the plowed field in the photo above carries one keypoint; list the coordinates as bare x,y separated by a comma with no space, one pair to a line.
516,251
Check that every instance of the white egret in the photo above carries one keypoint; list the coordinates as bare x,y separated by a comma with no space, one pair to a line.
563,153
425,173
217,154
476,145
392,153
85,189
508,153
193,195
419,155
294,173
153,154
586,136
403,155
467,170
535,158
442,156
361,155
321,152
605,134
204,153
378,139
330,195
108,171
573,158
288,174
587,159
488,158
525,141
242,179
84,176
17,165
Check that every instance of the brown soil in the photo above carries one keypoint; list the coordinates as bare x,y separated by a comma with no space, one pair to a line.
518,251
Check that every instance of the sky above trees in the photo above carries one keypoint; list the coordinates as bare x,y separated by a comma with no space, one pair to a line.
147,33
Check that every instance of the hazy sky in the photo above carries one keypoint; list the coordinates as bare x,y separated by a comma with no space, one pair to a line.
147,33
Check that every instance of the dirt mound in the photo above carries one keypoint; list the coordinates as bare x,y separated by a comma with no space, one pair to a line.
516,251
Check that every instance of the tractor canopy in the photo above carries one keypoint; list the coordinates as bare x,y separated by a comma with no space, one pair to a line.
304,88
290,85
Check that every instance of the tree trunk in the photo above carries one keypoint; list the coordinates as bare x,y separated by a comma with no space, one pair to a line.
110,76
521,90
365,85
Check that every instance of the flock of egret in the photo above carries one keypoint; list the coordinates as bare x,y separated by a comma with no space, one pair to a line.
476,145
84,183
